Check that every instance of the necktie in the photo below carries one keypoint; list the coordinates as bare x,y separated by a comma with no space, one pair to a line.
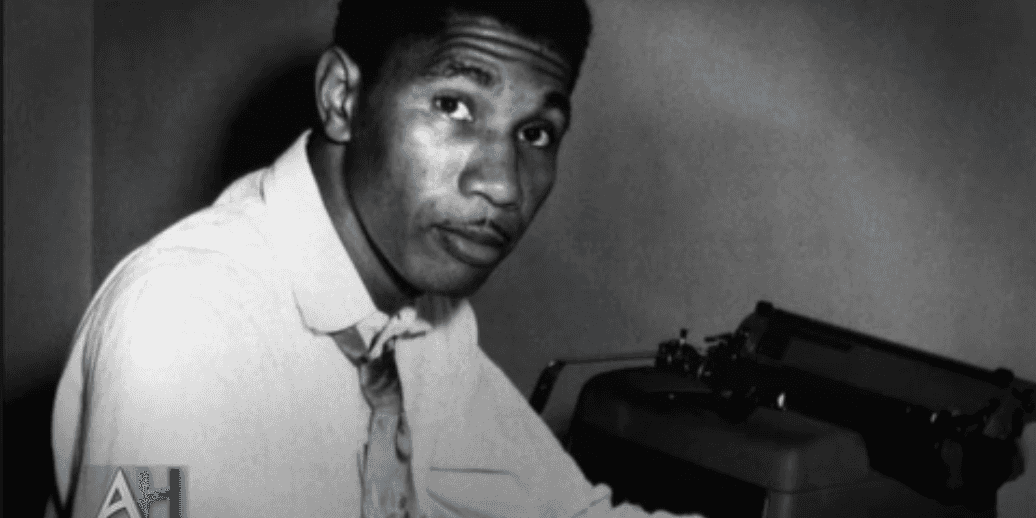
388,487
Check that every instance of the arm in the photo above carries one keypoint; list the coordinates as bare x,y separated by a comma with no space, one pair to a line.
166,360
532,465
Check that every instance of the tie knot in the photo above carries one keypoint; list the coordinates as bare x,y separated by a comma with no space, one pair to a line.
375,359
379,380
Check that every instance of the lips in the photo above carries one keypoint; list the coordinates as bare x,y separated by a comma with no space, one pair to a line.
476,245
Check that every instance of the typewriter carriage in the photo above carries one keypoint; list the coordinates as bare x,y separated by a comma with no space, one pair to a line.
914,426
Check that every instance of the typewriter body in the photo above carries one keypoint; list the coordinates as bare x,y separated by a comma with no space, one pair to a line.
789,416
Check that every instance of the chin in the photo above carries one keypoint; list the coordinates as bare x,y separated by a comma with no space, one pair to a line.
455,284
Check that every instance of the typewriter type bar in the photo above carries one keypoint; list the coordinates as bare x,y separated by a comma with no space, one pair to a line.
946,428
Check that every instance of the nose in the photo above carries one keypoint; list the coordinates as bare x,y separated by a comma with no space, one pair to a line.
493,174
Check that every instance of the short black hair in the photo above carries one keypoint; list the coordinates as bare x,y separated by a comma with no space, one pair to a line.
369,33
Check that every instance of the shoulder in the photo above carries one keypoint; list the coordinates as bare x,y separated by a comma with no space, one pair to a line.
237,226
213,256
182,300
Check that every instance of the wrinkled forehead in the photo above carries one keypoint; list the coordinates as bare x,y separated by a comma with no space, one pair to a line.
486,35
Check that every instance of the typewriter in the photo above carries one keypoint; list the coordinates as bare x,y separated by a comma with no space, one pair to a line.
789,416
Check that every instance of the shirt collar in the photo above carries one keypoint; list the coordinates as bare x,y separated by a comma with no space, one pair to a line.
328,290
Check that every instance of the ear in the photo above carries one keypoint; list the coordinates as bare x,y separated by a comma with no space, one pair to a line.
337,92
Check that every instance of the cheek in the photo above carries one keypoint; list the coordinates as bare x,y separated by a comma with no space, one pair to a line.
540,195
539,183
434,161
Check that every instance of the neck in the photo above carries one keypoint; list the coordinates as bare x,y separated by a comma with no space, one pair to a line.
327,160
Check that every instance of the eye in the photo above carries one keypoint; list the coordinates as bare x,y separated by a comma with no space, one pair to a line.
537,136
454,108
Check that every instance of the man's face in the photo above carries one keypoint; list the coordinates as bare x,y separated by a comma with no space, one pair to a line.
457,152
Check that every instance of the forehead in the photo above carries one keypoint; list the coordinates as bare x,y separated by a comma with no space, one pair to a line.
485,35
484,50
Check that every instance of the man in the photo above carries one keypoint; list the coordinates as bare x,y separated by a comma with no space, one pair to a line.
303,346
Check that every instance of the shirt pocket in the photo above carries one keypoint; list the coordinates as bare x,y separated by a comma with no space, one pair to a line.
477,493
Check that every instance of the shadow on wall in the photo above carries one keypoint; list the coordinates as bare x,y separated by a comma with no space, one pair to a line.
273,115
270,119
27,454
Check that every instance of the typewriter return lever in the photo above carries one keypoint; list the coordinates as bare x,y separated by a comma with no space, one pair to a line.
549,375
676,355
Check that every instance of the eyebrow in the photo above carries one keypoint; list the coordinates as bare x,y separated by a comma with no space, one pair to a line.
452,66
559,101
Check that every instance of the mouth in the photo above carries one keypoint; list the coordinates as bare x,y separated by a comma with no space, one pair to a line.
475,245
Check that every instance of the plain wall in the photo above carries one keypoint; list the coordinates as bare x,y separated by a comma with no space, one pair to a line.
863,162
189,96
48,69
47,184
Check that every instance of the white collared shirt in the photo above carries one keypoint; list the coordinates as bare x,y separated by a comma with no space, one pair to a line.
208,348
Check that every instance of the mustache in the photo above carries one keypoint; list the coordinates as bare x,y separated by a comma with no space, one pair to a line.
501,230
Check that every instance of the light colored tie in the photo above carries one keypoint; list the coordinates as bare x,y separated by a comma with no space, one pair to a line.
388,485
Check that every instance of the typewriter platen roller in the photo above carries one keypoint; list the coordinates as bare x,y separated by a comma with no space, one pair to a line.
789,416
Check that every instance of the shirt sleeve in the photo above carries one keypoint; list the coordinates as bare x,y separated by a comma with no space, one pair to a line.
556,485
166,366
